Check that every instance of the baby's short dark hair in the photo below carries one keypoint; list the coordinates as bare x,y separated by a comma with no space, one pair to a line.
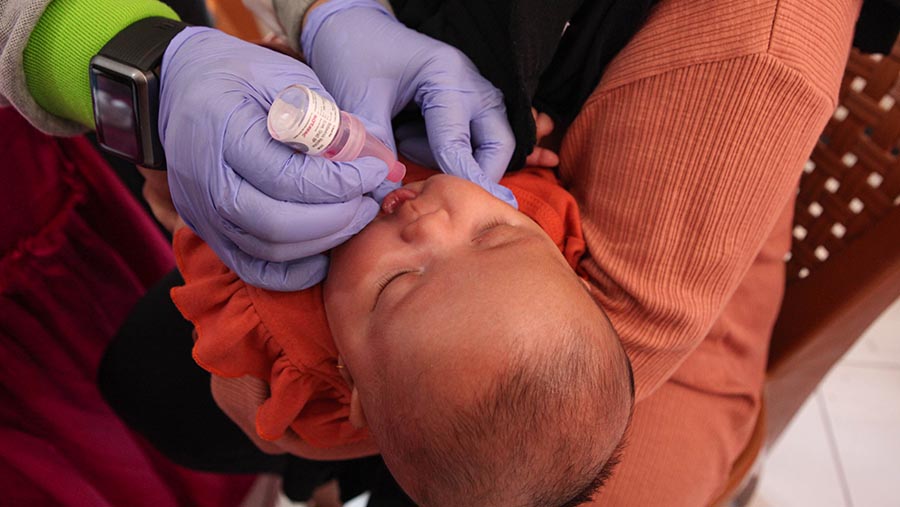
547,432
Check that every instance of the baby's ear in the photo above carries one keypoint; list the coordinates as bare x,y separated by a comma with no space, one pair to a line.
357,416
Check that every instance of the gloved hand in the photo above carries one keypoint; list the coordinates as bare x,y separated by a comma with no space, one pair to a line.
374,66
413,142
267,211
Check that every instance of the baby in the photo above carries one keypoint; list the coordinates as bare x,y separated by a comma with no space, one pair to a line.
458,336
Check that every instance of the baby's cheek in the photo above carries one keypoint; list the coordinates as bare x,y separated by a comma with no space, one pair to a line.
340,286
348,259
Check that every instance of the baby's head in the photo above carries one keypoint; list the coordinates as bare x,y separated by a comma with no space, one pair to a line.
479,360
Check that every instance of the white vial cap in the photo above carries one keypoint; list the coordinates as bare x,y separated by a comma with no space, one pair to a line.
287,113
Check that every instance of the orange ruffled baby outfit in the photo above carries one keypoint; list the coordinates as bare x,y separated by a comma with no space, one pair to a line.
282,338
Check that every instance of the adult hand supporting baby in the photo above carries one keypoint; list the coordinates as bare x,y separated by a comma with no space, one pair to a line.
374,66
267,211
240,399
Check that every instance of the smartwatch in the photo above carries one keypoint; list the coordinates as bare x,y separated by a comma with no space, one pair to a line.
125,90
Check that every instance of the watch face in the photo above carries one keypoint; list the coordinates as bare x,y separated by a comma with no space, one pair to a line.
114,113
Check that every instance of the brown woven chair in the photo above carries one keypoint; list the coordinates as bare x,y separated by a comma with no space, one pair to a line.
844,266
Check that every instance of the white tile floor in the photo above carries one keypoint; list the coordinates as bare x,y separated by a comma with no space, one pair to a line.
843,449
359,501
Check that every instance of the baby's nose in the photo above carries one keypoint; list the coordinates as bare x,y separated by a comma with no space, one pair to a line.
432,228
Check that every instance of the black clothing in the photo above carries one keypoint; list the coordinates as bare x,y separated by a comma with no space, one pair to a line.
877,27
597,33
513,43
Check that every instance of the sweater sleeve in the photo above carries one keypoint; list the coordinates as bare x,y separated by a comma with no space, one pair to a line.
46,49
17,20
680,177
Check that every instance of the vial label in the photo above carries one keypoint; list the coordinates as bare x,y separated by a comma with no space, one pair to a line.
320,125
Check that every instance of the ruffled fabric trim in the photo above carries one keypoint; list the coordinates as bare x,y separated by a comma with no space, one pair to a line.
279,338
544,200
283,339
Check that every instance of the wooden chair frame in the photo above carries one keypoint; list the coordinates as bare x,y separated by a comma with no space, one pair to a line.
844,267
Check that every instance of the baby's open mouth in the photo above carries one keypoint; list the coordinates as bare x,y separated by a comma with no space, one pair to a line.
395,199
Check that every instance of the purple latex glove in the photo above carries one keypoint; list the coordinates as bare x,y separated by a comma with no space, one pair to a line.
267,211
374,66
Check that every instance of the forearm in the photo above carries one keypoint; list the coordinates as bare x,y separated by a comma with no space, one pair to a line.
240,399
679,178
17,20
292,16
46,55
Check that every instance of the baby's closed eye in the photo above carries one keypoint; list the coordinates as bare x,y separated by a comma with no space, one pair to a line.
487,227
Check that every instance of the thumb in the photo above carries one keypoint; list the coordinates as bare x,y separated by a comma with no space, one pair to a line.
279,276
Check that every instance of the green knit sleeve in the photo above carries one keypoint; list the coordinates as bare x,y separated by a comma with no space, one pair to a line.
68,35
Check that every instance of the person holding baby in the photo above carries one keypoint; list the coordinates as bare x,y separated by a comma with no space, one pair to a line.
681,161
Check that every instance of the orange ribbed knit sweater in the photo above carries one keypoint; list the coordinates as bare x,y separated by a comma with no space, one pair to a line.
684,163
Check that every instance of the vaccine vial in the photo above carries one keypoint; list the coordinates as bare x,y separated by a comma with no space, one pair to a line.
312,124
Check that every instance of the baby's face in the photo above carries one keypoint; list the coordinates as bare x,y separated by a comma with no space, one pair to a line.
420,288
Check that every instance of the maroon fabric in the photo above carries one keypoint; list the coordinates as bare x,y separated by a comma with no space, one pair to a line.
76,252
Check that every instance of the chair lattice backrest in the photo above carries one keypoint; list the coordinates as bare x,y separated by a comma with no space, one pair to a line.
852,179
844,265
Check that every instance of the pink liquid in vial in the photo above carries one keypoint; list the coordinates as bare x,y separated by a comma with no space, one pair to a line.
312,124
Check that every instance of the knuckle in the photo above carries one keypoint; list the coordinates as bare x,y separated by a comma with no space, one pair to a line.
493,98
268,231
455,59
505,137
281,253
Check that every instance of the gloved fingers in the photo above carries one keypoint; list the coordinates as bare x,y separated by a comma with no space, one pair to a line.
319,18
447,126
384,189
281,173
279,276
493,142
284,252
378,123
286,71
273,221
418,150
467,168
448,134
370,100
412,142
275,252
502,193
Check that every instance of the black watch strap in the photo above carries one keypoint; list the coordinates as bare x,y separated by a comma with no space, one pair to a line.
143,43
132,59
